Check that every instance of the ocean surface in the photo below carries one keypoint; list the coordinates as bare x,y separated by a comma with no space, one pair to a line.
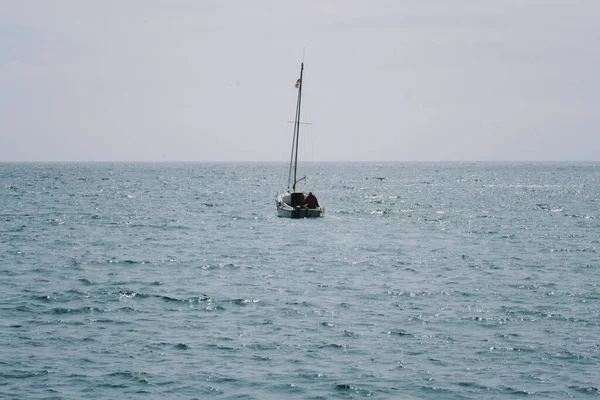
178,281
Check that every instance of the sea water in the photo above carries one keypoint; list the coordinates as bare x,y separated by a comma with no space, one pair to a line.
423,280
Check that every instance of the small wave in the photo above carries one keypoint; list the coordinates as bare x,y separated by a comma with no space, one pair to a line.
127,294
344,386
45,298
517,392
214,308
347,387
333,346
211,205
20,374
261,358
130,294
170,299
243,302
128,309
220,347
473,385
80,310
128,262
585,390
203,298
397,333
583,250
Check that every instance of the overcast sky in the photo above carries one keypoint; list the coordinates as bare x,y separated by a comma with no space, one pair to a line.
385,80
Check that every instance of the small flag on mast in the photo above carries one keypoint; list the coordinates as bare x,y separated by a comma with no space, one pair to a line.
298,84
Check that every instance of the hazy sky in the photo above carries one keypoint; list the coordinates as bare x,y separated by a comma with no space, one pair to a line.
212,80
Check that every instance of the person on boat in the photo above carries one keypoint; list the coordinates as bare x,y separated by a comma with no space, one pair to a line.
310,201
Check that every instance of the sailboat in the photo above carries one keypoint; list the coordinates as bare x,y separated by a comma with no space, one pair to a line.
290,203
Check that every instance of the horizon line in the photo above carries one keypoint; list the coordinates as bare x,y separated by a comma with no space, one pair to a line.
280,162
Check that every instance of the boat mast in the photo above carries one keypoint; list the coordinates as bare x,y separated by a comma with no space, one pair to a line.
297,126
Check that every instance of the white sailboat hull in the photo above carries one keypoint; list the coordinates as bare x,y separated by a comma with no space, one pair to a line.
285,210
